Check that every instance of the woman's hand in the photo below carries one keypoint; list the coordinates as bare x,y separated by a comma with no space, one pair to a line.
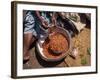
54,21
44,24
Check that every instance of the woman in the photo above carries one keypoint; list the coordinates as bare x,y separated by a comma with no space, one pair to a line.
36,23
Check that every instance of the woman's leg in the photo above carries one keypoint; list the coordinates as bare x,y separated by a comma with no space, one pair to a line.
29,24
27,43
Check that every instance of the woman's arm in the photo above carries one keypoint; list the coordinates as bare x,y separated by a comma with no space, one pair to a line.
53,18
44,23
39,16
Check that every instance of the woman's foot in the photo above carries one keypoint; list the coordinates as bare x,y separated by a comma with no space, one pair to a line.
28,40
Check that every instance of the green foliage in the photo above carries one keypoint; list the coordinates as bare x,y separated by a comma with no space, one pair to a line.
89,51
84,61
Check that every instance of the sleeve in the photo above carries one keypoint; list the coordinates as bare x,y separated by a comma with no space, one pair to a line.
29,22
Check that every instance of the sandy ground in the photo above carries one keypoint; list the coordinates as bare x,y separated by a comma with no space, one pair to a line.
83,58
82,42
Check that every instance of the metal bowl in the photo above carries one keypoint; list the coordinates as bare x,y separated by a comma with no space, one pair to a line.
40,42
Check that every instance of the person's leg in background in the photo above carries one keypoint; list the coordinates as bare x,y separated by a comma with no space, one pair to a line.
27,42
28,38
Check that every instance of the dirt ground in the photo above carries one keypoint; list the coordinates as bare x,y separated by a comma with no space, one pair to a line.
82,42
83,58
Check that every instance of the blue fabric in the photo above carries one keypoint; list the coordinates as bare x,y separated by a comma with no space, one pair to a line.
32,23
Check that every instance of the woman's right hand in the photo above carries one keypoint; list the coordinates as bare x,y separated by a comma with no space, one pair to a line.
44,24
